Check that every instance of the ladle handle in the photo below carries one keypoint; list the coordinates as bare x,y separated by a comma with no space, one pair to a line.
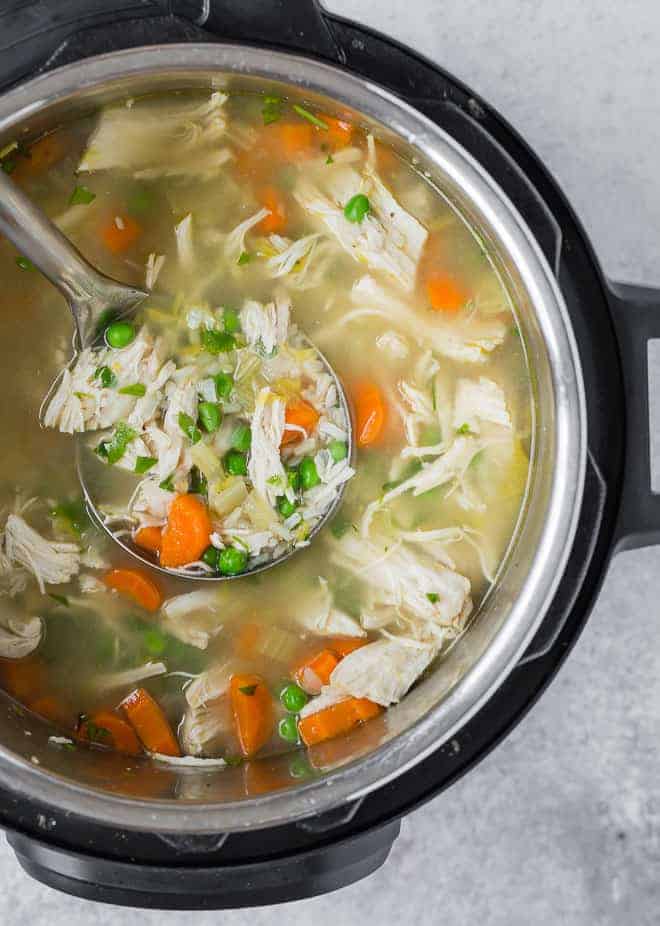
88,292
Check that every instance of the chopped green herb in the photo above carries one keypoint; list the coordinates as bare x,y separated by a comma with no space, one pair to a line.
82,395
274,480
167,484
115,448
9,165
285,507
338,450
231,320
71,516
24,263
106,377
217,342
241,438
188,427
272,109
236,463
60,599
248,689
144,464
329,159
432,597
210,416
198,483
306,114
464,429
244,258
294,478
138,389
96,734
233,761
224,383
357,208
81,196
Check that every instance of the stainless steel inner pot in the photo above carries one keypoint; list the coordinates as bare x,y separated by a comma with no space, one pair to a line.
137,795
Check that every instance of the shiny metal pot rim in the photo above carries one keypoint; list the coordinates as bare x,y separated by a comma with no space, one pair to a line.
546,532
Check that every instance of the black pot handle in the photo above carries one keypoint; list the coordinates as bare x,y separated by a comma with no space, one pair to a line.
636,312
34,37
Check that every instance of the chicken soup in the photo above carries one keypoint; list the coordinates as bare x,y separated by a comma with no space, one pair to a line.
292,258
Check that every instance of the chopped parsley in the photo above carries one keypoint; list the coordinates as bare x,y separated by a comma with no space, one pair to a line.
106,377
189,428
310,117
144,464
138,389
81,196
114,449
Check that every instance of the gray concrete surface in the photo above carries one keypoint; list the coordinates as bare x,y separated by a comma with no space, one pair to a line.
561,825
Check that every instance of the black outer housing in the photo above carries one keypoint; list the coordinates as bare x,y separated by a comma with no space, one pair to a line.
323,853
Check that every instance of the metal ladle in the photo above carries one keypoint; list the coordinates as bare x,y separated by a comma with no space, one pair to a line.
92,297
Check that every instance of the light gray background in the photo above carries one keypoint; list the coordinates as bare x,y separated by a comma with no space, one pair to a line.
561,825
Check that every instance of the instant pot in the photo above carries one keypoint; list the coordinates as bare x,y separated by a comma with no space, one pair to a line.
110,828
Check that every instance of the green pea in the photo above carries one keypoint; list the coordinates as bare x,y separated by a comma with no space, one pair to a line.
236,463
293,698
299,767
357,208
224,383
140,201
210,557
154,641
231,320
231,561
209,416
288,729
309,476
119,334
285,507
241,439
338,450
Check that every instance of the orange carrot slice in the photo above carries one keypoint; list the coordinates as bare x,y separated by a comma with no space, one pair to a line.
314,673
252,707
120,233
370,413
52,708
25,679
187,533
337,719
108,729
342,646
340,131
290,139
150,723
303,415
135,584
149,538
45,152
444,294
270,198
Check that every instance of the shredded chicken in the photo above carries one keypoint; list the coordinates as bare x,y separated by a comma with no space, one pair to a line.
266,326
382,671
135,138
50,562
19,634
387,239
